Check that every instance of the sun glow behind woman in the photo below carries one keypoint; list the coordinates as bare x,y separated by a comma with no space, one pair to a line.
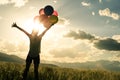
31,24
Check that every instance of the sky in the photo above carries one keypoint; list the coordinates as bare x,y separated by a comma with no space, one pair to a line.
87,30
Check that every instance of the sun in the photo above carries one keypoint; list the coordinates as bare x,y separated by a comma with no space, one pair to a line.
30,24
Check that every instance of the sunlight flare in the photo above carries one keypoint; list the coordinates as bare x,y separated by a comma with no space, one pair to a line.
31,24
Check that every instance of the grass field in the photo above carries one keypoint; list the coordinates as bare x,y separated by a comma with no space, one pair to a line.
12,71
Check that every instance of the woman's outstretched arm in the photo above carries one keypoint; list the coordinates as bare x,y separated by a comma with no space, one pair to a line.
43,33
15,25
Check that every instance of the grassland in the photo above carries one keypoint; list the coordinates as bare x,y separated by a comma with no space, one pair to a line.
12,71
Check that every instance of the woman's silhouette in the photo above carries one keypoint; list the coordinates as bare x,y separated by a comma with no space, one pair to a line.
34,50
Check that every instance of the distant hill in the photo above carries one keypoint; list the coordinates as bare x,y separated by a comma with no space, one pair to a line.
10,58
101,64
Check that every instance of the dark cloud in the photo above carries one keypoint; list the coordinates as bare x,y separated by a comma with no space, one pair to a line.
108,44
102,44
80,35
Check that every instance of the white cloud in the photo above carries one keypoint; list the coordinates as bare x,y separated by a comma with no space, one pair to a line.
2,2
55,1
108,13
85,4
116,37
6,46
100,1
63,21
70,53
17,3
32,8
115,16
12,47
1,17
105,12
93,13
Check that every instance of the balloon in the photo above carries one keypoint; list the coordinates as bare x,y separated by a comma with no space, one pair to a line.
47,23
53,19
36,19
42,18
55,13
48,10
47,16
41,11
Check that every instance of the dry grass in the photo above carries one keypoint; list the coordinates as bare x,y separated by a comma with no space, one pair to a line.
12,71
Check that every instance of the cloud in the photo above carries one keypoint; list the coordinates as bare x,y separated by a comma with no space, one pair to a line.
63,21
78,51
1,17
108,13
2,2
93,13
80,35
22,48
116,37
108,44
6,46
55,1
116,56
10,47
85,4
100,1
64,52
17,3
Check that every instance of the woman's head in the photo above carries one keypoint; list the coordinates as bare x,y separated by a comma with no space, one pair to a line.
35,32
